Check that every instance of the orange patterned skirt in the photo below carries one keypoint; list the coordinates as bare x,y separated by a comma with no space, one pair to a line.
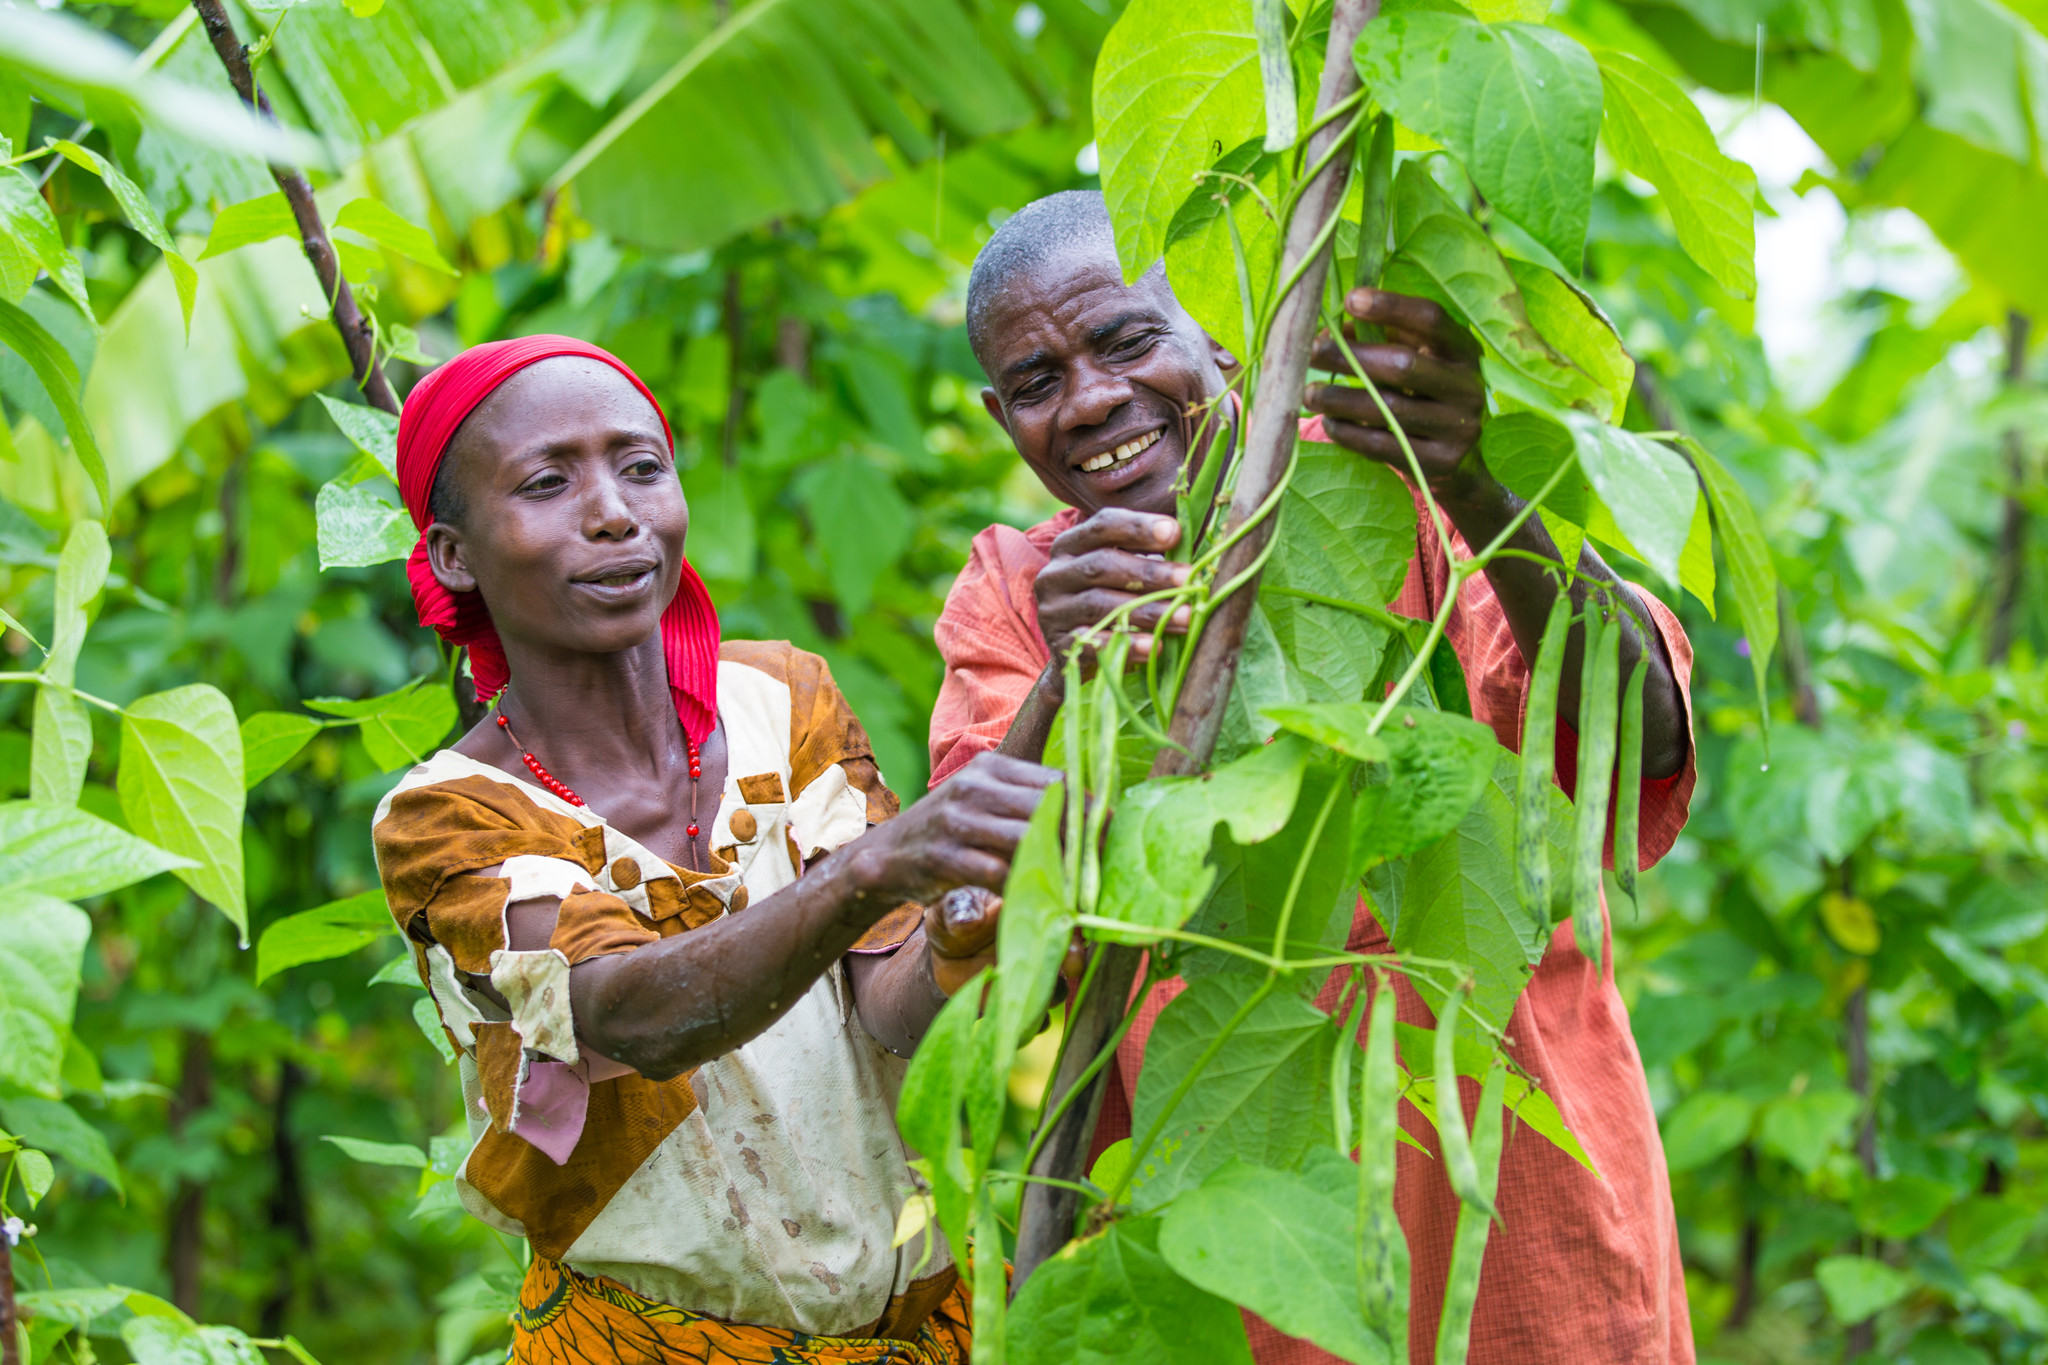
569,1318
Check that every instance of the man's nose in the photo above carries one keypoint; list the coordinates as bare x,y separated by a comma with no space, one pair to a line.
1098,393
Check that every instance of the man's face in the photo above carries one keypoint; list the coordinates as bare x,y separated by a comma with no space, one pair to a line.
1094,380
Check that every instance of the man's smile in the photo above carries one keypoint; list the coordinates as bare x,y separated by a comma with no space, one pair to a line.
1128,450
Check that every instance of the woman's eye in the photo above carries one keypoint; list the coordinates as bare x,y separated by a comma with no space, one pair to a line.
646,468
544,483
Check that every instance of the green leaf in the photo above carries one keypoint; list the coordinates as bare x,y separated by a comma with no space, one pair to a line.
1648,487
1523,449
399,728
1986,1232
171,1341
1034,927
181,788
1262,1099
1751,576
249,222
862,524
1902,1206
380,1153
1440,765
1441,253
360,524
328,931
1154,868
1859,1287
399,971
372,431
1176,83
271,739
1518,104
1341,727
42,946
383,225
1658,133
1577,330
1202,259
30,229
36,1173
1283,1247
1458,902
63,852
1984,73
1529,1105
725,547
1705,1125
61,747
429,1020
27,338
56,1128
1112,1299
1805,1128
81,573
143,217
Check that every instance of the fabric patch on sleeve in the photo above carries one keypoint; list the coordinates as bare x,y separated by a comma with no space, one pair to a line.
891,931
554,1101
467,917
533,878
827,814
595,923
458,1012
762,788
500,1064
536,986
429,834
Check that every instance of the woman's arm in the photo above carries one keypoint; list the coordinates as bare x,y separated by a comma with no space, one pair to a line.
676,1004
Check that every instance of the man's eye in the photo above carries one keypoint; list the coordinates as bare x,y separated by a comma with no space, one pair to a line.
1127,347
1034,389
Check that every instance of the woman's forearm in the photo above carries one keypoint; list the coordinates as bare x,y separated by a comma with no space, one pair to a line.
1031,729
686,1000
895,994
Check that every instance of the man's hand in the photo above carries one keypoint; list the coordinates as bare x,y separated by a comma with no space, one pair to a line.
1427,370
962,834
1101,564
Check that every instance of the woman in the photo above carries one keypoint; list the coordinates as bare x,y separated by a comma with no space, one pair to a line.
660,897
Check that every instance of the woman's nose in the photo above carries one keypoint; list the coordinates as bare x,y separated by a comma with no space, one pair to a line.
608,512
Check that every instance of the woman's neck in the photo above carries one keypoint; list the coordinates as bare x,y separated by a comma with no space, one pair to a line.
589,713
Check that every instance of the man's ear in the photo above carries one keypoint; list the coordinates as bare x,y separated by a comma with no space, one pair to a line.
1220,353
995,410
446,558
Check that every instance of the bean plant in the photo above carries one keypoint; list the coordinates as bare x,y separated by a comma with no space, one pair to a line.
1260,1170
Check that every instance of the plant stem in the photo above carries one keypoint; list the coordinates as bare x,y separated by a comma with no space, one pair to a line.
357,332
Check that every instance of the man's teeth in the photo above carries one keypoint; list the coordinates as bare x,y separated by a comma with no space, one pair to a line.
1121,453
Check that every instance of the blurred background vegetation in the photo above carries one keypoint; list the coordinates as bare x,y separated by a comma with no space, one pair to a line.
768,210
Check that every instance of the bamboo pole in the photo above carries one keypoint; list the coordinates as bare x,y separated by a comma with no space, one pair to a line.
356,333
1046,1220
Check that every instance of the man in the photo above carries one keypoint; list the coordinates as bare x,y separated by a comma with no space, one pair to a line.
1091,379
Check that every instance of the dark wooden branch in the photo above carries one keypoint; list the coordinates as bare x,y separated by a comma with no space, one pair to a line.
2009,571
1046,1221
356,333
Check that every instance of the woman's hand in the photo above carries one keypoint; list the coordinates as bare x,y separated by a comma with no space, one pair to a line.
960,933
962,834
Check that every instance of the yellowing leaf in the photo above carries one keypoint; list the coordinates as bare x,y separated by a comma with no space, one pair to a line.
1851,923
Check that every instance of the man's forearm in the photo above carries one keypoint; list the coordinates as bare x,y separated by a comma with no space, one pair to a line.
1481,508
1031,728
895,995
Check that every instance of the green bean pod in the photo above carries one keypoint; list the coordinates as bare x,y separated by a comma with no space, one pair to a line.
1376,177
1340,1067
1382,1245
1628,784
1459,1165
1598,701
1468,1245
1539,758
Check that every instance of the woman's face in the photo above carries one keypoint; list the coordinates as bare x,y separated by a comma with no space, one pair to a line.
573,520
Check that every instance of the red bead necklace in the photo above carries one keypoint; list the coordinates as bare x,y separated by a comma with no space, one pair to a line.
561,789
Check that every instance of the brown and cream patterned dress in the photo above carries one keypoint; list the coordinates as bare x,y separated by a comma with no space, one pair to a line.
762,1188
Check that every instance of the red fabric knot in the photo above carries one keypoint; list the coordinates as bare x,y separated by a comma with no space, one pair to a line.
434,412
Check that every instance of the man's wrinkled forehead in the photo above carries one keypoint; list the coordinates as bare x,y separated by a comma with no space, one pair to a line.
1071,303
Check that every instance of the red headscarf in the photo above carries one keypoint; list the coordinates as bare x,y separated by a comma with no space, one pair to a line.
433,411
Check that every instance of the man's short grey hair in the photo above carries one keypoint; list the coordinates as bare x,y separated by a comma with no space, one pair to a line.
1060,225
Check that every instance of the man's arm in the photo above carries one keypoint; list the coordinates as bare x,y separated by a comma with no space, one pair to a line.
1428,372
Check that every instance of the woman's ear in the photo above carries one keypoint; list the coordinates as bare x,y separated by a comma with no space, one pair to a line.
446,558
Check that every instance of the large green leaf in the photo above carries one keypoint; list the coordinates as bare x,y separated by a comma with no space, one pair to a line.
1751,576
801,92
181,788
862,524
1201,258
63,852
1442,254
42,945
179,1341
1347,532
399,728
1984,72
57,1128
61,746
1518,104
360,524
248,222
328,931
1112,1299
1578,331
1523,449
1154,868
1034,927
389,229
1978,203
1658,133
1439,765
30,240
143,217
1859,1286
1281,1245
29,339
1705,1125
1176,83
1263,1099
372,430
271,739
1649,488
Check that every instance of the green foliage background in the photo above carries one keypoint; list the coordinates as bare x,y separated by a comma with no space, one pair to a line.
796,308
